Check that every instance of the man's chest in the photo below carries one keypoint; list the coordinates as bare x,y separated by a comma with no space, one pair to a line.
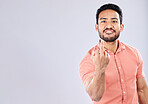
121,69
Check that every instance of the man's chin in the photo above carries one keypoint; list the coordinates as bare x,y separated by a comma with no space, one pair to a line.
109,39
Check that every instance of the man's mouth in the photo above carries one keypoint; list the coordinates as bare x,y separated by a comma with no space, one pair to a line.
109,31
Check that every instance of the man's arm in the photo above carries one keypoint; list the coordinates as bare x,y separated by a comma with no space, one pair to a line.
142,90
95,85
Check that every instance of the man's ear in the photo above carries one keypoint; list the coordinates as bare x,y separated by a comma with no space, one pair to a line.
96,27
121,27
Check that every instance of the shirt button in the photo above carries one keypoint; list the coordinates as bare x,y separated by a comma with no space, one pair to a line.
119,67
124,92
121,80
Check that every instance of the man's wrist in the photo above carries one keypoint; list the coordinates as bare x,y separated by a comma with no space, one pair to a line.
99,72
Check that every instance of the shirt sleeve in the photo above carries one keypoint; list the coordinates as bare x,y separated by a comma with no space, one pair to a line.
86,68
140,72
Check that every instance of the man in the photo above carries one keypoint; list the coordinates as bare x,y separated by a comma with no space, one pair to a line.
112,71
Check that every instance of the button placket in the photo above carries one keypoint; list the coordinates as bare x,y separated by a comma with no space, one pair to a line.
122,82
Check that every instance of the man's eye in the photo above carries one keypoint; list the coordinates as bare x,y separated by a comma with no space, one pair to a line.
114,21
103,21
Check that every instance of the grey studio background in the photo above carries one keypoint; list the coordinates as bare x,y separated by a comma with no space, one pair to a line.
43,41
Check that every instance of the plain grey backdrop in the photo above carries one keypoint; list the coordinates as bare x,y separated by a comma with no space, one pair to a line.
43,41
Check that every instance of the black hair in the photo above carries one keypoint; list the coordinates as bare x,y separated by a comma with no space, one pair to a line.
112,7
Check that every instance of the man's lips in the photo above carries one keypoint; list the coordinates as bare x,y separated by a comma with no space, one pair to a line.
109,31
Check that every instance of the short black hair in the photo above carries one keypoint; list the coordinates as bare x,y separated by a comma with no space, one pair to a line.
112,7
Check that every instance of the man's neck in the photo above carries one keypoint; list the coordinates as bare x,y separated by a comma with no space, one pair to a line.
111,46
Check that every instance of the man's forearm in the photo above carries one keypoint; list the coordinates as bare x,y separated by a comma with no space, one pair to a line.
97,86
143,96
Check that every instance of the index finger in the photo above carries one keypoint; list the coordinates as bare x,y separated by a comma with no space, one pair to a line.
102,48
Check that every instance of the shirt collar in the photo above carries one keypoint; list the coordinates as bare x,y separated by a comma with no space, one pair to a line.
120,48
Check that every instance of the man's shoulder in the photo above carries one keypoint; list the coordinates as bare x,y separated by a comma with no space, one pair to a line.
89,52
131,50
91,49
128,47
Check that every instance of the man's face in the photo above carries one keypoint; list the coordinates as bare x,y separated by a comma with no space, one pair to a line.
109,27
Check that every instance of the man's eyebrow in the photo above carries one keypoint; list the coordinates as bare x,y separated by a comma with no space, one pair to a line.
103,18
106,18
115,18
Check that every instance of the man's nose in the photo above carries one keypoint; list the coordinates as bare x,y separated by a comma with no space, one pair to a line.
109,25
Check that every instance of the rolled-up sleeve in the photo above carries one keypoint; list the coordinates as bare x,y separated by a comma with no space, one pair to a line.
86,68
140,72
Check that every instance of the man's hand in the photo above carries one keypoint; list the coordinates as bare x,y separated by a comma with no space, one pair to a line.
100,58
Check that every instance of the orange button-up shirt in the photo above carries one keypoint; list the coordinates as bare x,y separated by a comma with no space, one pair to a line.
121,73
